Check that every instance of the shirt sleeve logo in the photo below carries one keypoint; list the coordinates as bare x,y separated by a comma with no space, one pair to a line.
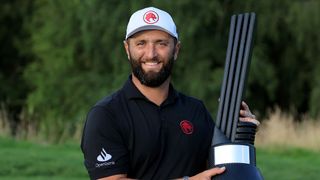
104,156
186,127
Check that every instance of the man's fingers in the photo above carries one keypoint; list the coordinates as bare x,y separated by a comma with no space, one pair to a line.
206,175
245,111
215,171
247,114
246,119
245,106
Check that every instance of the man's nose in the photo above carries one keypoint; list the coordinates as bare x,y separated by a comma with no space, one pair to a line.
151,51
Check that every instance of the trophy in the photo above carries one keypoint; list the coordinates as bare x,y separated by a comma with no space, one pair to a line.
233,141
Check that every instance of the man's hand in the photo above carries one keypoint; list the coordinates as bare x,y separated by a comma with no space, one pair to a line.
246,115
206,175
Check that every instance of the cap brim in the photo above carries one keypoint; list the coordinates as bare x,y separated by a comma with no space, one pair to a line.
149,27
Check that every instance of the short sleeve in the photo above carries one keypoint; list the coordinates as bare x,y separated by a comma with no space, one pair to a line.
104,150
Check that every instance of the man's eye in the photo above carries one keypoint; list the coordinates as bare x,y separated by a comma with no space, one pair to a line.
163,43
140,43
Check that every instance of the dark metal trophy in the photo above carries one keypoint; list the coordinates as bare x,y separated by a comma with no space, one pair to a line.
233,141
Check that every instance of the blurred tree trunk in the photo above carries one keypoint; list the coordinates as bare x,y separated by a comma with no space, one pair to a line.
15,55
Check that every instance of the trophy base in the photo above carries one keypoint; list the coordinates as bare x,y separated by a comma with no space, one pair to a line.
239,160
239,171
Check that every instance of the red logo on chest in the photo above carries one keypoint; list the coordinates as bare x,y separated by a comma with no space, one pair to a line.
186,127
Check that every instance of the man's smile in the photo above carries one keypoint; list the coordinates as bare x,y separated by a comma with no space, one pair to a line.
152,65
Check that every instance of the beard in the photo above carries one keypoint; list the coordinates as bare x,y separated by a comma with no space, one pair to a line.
151,79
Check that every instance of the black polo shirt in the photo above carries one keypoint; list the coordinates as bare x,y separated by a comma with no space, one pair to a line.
125,133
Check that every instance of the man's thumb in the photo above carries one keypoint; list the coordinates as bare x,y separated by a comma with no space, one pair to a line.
217,170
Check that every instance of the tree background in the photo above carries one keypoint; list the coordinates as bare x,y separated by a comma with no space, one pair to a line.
59,57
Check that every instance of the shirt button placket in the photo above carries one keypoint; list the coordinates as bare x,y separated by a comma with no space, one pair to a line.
162,118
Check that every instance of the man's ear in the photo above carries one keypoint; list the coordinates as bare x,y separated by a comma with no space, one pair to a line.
126,47
177,49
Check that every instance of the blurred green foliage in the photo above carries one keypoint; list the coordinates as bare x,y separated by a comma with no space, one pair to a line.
59,57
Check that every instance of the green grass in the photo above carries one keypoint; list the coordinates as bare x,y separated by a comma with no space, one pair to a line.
24,160
288,163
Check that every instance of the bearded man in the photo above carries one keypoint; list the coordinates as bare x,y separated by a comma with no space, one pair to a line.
147,129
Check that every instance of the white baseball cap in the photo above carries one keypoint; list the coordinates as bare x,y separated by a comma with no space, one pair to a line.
151,18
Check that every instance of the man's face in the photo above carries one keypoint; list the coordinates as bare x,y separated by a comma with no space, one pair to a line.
152,54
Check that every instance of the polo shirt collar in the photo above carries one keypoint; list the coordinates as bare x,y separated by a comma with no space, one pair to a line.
132,92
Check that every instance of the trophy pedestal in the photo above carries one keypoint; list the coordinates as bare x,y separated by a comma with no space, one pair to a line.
239,160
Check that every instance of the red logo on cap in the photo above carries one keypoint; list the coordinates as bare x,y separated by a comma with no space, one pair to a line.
150,17
186,127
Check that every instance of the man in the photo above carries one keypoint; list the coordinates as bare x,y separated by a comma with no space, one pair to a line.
148,130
